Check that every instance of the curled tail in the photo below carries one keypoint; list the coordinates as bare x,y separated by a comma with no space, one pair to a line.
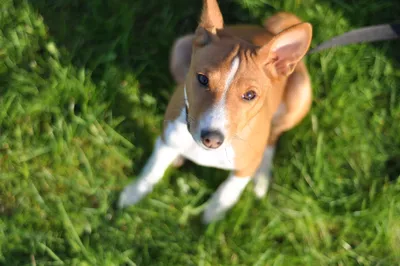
280,21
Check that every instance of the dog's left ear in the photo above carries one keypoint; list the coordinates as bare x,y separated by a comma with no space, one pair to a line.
210,21
281,55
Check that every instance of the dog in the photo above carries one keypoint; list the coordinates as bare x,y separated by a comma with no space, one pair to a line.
239,88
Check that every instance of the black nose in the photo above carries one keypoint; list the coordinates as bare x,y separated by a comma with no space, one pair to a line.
212,138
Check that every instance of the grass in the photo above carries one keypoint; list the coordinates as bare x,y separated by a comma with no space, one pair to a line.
83,87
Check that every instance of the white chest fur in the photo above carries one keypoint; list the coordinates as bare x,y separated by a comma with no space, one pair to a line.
178,137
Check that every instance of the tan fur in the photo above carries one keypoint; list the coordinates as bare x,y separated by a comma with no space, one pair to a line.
239,88
280,21
211,17
252,125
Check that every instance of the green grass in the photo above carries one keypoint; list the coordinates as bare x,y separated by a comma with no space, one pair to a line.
83,87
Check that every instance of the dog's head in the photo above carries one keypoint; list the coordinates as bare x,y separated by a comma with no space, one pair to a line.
229,79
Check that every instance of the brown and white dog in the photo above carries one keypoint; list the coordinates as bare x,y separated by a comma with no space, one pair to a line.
239,88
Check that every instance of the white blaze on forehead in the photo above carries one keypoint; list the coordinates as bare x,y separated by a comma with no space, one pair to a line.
215,118
185,96
232,73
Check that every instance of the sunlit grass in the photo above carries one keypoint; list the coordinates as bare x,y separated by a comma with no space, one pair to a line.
83,87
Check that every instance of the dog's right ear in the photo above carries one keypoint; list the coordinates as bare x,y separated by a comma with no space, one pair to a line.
181,57
210,21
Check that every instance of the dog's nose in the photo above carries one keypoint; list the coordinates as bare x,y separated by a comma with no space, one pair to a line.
212,138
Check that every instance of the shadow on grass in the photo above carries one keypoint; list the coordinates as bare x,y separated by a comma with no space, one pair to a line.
365,13
135,39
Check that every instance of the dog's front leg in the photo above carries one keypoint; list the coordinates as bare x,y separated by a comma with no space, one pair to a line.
160,159
227,194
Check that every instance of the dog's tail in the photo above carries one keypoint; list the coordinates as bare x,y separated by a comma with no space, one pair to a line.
280,21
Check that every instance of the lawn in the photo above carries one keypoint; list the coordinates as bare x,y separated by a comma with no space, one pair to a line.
83,88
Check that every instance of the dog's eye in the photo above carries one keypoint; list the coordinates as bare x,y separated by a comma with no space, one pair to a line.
202,79
249,95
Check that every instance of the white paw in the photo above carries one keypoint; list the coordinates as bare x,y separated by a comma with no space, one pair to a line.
178,162
226,196
215,211
261,185
133,193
